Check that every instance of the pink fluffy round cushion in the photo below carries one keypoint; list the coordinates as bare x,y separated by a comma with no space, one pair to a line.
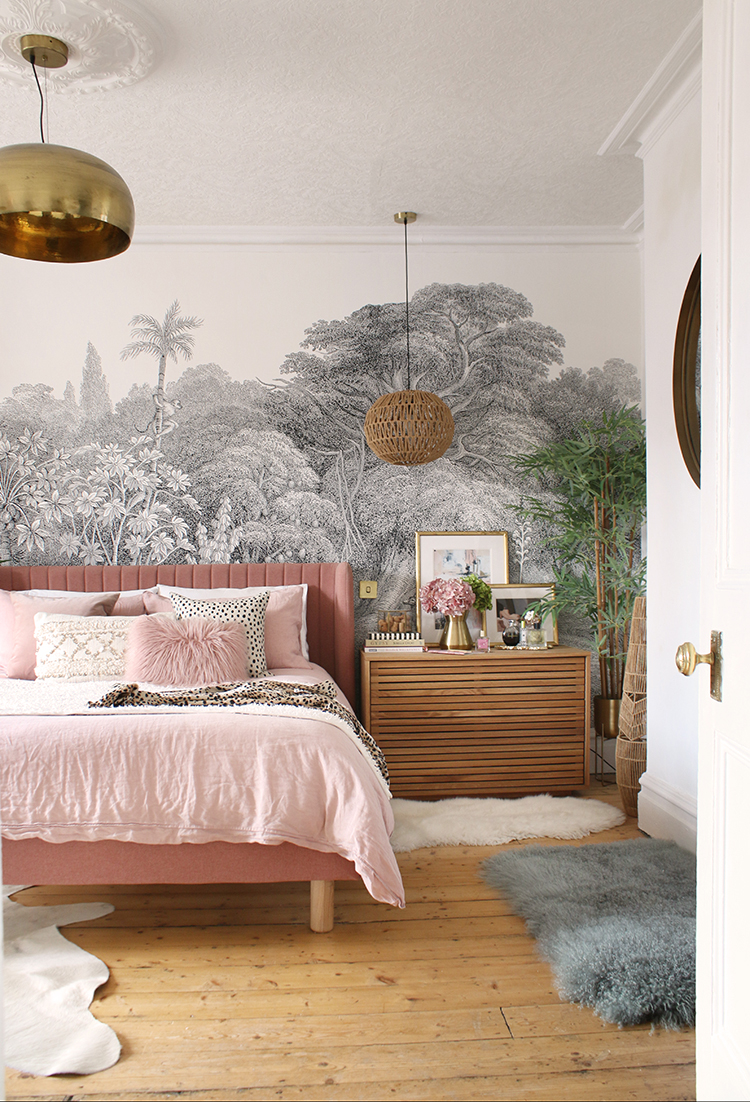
185,652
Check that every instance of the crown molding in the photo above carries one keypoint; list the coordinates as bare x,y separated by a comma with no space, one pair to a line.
634,224
662,99
363,236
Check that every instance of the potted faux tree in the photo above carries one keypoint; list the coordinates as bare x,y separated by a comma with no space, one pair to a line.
592,513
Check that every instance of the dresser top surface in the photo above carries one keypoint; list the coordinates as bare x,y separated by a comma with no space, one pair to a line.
501,654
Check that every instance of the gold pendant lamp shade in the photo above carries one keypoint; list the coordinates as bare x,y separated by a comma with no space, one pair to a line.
56,203
408,427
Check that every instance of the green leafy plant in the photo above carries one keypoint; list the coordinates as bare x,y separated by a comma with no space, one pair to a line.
592,512
482,592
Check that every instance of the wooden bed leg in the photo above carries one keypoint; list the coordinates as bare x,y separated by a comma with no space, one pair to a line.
321,906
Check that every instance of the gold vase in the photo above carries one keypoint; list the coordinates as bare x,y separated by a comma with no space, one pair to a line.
606,716
456,634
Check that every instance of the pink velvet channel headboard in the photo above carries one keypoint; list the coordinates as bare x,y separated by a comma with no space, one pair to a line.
330,595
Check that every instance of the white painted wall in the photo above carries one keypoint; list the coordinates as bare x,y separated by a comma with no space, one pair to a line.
672,236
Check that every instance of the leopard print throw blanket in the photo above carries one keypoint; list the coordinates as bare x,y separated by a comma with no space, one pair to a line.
321,697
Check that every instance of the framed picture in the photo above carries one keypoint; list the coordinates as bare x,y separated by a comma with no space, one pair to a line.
509,602
454,555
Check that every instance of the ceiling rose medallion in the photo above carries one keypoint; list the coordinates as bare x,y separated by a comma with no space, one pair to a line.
111,43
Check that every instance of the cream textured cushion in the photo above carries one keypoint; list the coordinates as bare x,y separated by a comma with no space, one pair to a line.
81,648
250,612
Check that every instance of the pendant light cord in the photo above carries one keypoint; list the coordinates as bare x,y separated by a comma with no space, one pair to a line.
41,97
406,280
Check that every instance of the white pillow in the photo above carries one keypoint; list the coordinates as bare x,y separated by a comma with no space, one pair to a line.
63,592
235,594
80,648
249,611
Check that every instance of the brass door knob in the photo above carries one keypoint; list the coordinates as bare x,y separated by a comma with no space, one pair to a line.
687,658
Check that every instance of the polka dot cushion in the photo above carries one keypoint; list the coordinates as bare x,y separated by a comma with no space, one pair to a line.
249,611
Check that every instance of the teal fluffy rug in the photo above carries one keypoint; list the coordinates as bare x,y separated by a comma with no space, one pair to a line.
615,921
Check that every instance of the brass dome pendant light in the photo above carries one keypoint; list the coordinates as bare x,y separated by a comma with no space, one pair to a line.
408,427
56,203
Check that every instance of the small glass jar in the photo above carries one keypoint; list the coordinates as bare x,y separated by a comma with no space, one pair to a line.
512,634
396,620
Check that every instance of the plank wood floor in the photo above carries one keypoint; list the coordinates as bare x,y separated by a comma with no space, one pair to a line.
221,992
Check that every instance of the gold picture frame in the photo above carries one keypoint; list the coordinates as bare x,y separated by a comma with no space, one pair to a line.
453,555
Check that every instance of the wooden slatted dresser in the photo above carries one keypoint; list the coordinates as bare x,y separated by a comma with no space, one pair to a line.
507,723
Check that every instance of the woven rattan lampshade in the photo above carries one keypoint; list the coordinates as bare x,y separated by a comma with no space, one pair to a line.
408,427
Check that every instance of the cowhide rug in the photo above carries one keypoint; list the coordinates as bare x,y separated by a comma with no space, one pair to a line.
48,987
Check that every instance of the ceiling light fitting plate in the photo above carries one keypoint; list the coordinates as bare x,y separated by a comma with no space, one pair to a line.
42,49
407,216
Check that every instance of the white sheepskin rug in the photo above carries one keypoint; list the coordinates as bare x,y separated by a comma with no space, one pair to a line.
48,987
491,822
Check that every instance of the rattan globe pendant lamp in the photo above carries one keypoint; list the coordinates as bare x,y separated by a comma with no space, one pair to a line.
56,203
408,427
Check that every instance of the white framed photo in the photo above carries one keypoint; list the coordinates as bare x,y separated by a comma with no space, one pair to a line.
509,602
455,555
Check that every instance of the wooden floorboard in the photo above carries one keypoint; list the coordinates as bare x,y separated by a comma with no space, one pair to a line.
223,993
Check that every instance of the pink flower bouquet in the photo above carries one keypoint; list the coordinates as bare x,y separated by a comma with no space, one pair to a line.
451,596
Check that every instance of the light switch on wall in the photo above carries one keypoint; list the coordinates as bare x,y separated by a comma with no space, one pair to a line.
368,589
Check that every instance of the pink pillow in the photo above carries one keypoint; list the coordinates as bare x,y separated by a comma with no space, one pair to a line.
285,619
130,603
18,648
185,652
154,604
285,616
221,594
7,624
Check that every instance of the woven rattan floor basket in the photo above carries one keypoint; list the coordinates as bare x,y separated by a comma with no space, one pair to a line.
630,755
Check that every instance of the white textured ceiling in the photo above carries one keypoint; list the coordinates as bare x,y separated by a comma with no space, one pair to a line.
339,112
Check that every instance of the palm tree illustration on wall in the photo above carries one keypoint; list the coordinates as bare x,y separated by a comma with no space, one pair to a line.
163,340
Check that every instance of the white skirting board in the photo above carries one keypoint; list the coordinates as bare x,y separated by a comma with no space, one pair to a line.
666,812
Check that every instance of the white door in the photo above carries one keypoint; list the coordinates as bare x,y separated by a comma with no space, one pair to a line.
724,748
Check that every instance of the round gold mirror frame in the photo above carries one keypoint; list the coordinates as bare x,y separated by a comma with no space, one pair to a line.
686,375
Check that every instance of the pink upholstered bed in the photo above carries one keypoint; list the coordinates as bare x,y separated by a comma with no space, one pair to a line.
330,636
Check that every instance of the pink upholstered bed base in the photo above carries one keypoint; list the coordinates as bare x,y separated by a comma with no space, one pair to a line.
131,863
330,633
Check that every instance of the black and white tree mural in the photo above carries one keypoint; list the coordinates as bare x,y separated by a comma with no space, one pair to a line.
207,468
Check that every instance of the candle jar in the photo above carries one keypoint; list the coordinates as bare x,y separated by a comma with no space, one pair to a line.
533,634
394,620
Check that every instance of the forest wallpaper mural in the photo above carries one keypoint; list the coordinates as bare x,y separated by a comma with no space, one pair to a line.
200,467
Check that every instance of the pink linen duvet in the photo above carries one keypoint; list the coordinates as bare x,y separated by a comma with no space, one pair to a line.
165,775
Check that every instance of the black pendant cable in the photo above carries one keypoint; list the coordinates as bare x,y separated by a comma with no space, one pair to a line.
406,281
408,427
41,97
